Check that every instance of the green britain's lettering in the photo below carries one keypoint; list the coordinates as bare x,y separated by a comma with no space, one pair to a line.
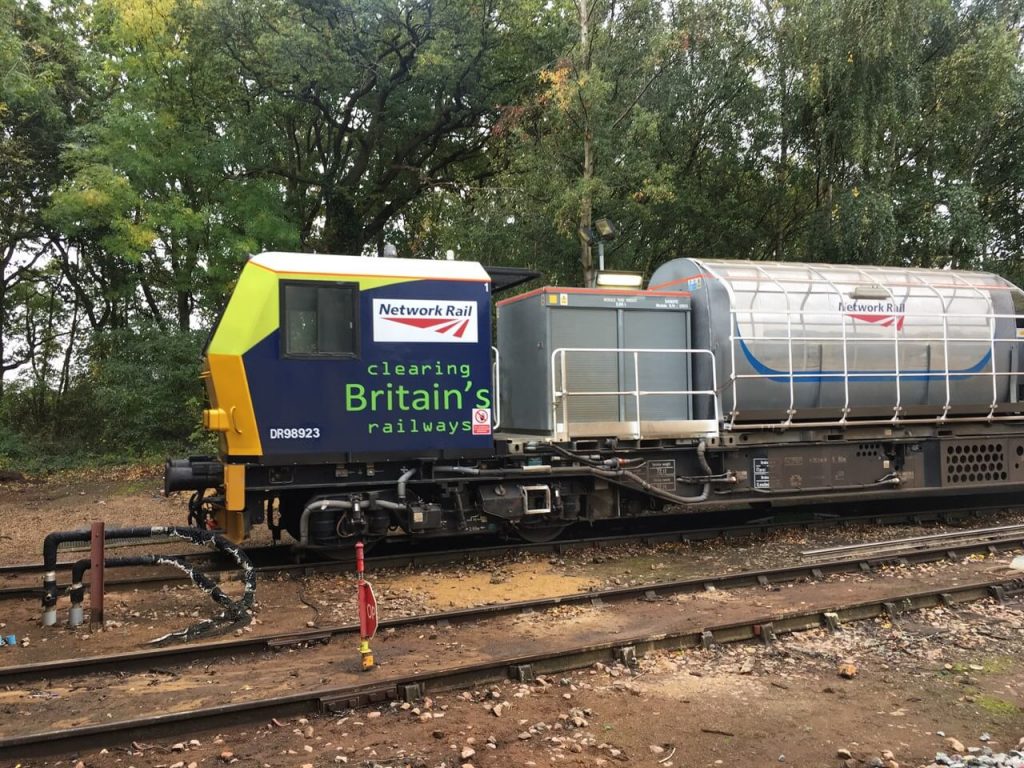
393,397
395,404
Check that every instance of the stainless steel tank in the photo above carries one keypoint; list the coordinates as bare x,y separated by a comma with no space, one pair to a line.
800,343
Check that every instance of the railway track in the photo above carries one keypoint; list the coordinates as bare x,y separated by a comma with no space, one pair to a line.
281,560
881,548
523,667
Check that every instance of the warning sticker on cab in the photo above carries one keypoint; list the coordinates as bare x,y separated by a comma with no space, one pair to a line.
481,421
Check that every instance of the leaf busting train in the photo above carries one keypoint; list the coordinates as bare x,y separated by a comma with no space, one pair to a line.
354,396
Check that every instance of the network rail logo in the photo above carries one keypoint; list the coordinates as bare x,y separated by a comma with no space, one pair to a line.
425,320
883,313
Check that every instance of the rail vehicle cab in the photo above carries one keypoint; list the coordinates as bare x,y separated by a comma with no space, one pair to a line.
323,360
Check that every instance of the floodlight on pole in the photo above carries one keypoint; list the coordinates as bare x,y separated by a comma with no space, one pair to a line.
601,232
617,279
606,229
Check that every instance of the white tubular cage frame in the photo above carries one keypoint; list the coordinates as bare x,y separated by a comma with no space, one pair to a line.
877,279
565,429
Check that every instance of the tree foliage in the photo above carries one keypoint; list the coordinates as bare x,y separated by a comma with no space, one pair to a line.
148,146
358,108
41,97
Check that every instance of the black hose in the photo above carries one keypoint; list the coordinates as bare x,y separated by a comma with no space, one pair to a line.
890,479
235,611
50,546
78,571
615,461
616,475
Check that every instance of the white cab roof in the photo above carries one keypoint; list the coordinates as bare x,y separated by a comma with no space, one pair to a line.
363,266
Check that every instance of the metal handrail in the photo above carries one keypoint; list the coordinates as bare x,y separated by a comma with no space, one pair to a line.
991,335
895,344
865,374
945,346
997,284
846,361
560,396
783,312
751,285
876,340
496,379
791,411
791,376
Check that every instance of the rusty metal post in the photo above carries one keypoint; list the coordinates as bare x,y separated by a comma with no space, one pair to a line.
96,577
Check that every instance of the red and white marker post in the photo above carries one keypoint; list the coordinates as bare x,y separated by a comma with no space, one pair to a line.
367,611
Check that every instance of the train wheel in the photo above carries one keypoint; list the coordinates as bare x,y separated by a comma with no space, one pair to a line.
538,533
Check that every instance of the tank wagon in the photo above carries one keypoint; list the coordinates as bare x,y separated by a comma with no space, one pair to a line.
356,396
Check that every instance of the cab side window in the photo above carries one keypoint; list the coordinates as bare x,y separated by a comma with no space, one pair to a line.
320,319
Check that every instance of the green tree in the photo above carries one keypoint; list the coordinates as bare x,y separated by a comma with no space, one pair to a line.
652,127
154,218
897,105
41,97
358,107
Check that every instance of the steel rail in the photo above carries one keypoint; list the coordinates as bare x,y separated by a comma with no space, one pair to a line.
1002,530
425,557
435,557
63,668
524,668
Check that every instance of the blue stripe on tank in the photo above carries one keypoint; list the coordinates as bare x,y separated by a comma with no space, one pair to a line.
861,376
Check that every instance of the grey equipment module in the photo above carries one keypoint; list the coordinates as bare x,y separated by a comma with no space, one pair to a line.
578,363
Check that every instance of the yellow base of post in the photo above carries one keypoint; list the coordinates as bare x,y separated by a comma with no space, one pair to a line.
367,654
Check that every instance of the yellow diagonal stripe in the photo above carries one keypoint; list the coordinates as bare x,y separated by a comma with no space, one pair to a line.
254,309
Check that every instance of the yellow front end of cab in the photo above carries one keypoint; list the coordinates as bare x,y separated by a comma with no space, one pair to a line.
250,316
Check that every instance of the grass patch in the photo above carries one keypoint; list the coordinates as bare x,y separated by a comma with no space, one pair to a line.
1000,664
996,707
990,665
140,478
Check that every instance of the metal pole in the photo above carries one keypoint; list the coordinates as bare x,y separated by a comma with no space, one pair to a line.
96,576
600,256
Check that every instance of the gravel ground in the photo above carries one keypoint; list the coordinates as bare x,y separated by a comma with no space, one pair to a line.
940,687
940,684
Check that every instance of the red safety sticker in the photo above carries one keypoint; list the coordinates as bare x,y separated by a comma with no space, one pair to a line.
481,421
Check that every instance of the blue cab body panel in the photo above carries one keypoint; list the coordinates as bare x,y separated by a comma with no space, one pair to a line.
419,384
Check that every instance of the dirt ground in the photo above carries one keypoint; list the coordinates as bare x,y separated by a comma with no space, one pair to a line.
74,500
929,677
